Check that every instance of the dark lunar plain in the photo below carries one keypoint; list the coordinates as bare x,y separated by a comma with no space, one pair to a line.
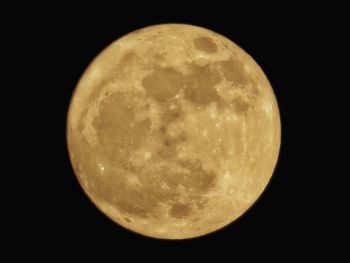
290,219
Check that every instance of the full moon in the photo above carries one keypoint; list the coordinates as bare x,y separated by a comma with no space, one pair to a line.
173,131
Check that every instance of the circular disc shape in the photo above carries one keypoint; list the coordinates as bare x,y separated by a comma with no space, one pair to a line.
173,131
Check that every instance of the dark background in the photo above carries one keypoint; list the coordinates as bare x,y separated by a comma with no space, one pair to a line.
289,221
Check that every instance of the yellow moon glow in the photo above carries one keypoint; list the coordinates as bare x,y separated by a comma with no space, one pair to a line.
173,131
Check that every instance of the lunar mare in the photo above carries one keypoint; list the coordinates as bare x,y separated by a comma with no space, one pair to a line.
173,131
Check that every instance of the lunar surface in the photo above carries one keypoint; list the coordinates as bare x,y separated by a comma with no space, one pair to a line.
173,131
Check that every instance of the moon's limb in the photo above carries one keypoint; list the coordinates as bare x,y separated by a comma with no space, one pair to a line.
173,131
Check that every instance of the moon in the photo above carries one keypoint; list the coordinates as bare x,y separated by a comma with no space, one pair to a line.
173,131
